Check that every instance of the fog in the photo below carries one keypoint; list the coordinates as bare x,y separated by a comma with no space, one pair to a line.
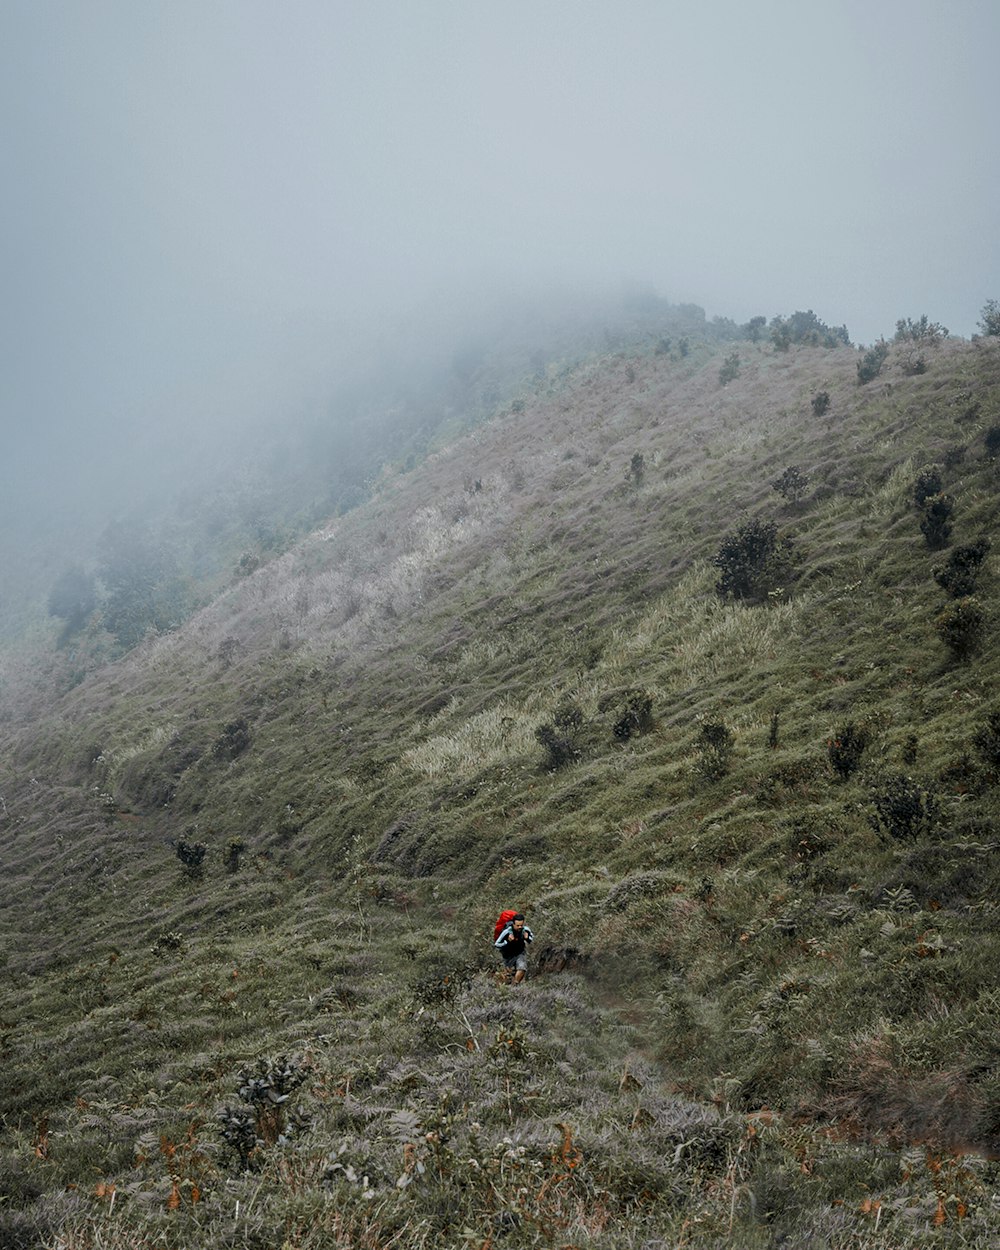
213,210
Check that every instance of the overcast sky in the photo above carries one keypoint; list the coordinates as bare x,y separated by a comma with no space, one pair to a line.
204,200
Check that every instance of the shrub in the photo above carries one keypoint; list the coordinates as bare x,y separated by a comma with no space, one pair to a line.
845,750
921,331
754,328
987,742
190,853
715,749
730,368
753,561
989,320
792,484
559,750
820,403
231,854
904,809
960,626
935,524
928,483
634,715
568,715
636,469
959,576
991,441
806,328
233,741
870,364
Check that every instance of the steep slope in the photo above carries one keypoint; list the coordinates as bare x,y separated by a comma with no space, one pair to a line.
759,832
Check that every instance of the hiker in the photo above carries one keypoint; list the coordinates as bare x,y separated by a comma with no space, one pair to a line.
512,945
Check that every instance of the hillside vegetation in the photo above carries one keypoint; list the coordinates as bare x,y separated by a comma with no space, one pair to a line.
690,655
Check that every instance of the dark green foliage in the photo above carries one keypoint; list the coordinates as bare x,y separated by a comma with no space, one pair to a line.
960,626
986,740
753,561
234,848
730,368
991,441
845,750
635,715
820,403
989,319
233,740
558,748
805,328
754,328
715,749
871,362
636,469
568,715
683,346
935,524
904,809
920,331
792,484
928,484
191,854
264,1119
662,347
73,597
960,575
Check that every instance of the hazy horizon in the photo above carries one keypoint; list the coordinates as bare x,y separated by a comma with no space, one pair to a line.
213,210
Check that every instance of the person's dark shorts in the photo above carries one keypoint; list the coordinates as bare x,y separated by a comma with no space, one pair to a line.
517,963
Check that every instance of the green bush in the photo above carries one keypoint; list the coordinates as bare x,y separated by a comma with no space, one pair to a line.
903,809
960,575
989,320
920,331
960,626
753,561
845,750
987,742
792,484
820,403
935,524
715,749
559,749
870,364
730,368
927,484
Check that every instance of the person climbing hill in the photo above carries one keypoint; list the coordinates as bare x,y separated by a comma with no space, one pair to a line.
512,943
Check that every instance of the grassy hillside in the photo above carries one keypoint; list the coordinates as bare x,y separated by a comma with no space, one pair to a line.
756,839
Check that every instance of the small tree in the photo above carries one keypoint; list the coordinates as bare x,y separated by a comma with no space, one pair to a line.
870,364
754,328
959,576
730,368
960,626
928,483
715,749
991,441
989,321
753,561
920,331
559,748
792,484
935,524
904,809
637,469
820,403
845,750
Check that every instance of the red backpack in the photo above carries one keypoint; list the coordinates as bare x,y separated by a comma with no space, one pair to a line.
503,920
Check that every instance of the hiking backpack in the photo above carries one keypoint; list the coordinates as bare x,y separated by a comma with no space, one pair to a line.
503,920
